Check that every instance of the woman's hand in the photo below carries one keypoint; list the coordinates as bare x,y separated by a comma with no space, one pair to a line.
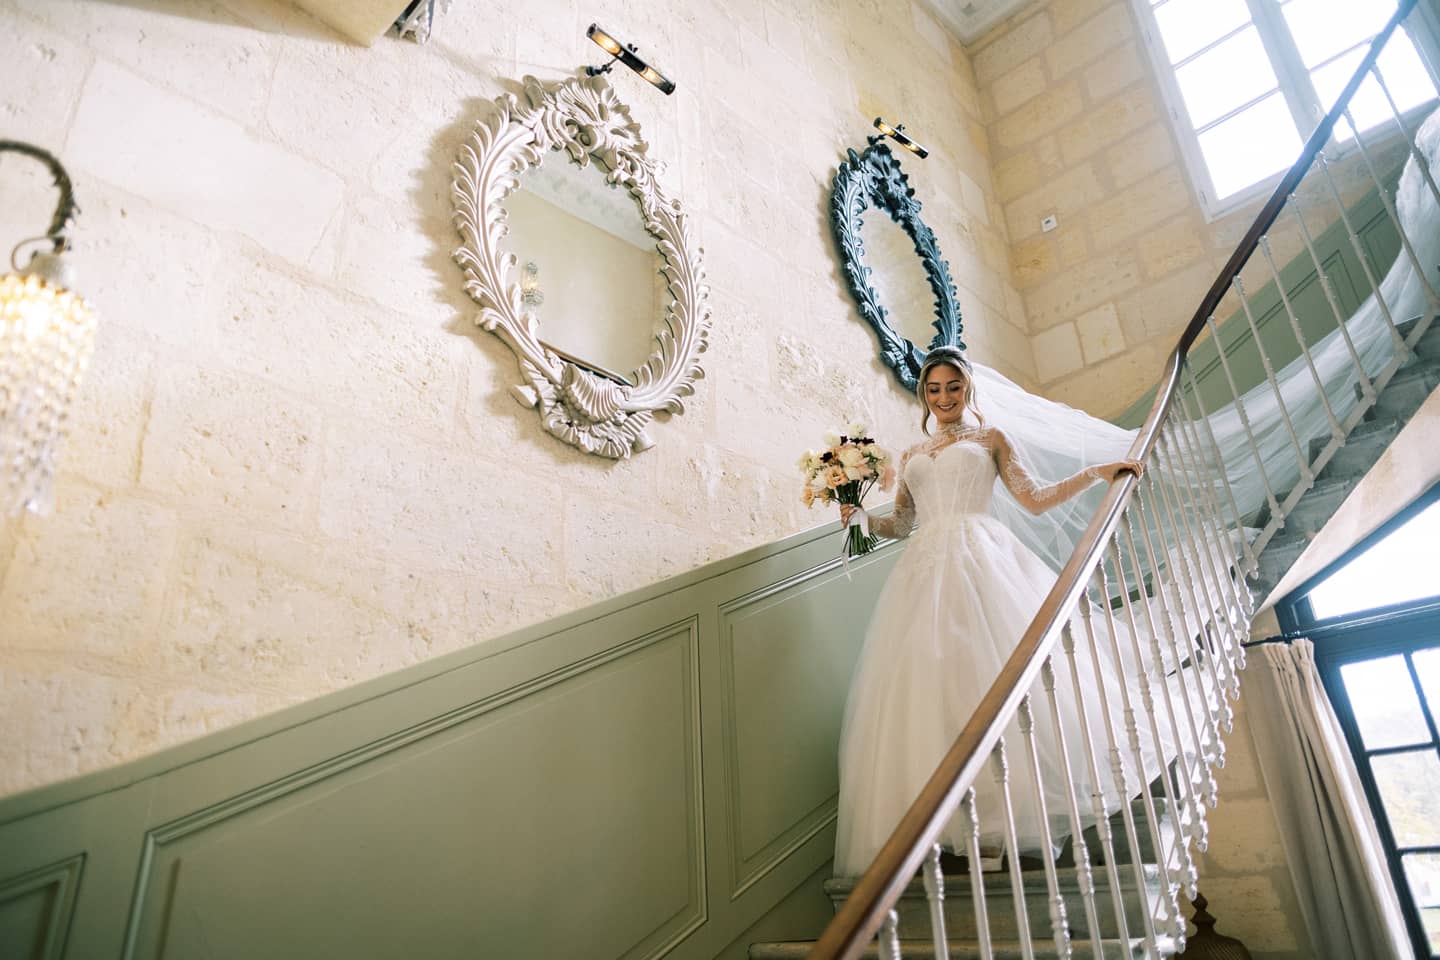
847,510
1110,472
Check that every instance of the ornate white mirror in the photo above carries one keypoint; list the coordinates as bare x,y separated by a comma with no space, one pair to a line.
581,264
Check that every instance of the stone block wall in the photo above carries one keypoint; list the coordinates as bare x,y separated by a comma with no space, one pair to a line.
1079,130
295,463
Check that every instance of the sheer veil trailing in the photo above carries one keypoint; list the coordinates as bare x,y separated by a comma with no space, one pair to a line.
1058,440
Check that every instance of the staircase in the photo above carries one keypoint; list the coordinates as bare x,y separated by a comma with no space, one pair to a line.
1394,406
1166,575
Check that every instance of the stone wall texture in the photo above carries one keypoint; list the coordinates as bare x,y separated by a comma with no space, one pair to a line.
295,463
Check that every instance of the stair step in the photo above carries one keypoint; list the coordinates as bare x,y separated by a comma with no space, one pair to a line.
1321,501
968,949
1411,386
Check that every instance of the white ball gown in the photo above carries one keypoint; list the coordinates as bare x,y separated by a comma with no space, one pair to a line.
959,598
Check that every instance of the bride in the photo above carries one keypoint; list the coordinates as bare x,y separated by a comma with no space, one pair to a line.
956,604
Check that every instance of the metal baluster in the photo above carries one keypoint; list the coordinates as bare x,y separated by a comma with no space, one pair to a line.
1230,495
1336,430
1117,770
1217,607
935,895
1189,566
1059,925
1012,843
1251,563
1388,199
1306,477
1199,829
970,822
1185,811
1174,923
1097,793
1402,350
889,945
1367,386
1245,604
1422,162
1277,515
1175,435
1084,878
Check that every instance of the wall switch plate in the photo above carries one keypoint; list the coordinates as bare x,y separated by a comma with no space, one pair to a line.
1049,223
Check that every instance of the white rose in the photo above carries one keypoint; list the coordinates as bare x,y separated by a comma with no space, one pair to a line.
851,457
857,473
832,440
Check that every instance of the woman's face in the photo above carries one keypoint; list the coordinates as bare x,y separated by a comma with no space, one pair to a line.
945,393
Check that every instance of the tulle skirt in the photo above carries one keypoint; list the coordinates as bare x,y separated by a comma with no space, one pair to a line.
953,610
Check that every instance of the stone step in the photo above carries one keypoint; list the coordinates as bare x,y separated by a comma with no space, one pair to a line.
970,949
1319,504
1411,386
1279,556
960,918
1362,448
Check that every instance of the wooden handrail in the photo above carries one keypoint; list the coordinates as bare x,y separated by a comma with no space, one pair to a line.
865,909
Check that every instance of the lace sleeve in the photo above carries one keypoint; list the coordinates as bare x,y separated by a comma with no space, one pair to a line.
901,521
1034,496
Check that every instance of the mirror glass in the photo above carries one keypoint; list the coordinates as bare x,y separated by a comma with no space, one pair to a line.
589,271
898,277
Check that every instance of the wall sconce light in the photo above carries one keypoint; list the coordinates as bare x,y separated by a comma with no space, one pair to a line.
530,292
897,133
47,333
626,54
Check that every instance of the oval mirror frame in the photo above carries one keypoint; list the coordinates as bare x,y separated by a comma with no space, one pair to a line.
583,117
874,179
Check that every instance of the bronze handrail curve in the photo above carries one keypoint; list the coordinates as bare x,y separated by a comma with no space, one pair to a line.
865,909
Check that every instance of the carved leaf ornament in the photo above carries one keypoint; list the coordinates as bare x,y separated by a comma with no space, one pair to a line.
583,117
875,179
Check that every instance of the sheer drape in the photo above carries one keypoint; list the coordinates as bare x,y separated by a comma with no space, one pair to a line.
1331,844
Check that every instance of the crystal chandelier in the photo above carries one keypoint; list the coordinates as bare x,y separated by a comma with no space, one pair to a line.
47,332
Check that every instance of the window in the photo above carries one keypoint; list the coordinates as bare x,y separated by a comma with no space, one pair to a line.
1375,620
1248,81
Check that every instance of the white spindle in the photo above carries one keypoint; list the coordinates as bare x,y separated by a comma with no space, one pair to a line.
1084,878
1217,606
1185,808
1190,575
1307,479
1402,350
1097,793
935,896
889,946
1012,844
1342,323
1169,906
970,823
1059,925
1251,563
1199,774
1336,430
1117,765
1275,511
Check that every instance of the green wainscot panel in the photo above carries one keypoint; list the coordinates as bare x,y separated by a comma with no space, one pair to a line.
653,776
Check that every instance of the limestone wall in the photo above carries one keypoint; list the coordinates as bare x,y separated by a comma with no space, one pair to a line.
295,463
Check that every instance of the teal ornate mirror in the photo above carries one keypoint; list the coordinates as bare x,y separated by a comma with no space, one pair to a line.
892,263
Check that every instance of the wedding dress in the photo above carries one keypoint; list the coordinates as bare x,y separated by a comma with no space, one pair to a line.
959,598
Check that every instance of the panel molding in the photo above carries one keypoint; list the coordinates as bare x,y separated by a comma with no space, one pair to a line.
314,774
64,876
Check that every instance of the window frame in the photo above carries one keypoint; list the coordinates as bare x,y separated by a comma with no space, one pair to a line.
1295,87
1399,629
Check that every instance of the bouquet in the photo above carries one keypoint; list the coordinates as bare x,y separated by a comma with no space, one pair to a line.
843,473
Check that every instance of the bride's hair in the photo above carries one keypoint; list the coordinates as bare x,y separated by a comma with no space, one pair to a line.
953,357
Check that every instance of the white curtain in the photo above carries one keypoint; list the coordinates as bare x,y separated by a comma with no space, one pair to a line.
1331,845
